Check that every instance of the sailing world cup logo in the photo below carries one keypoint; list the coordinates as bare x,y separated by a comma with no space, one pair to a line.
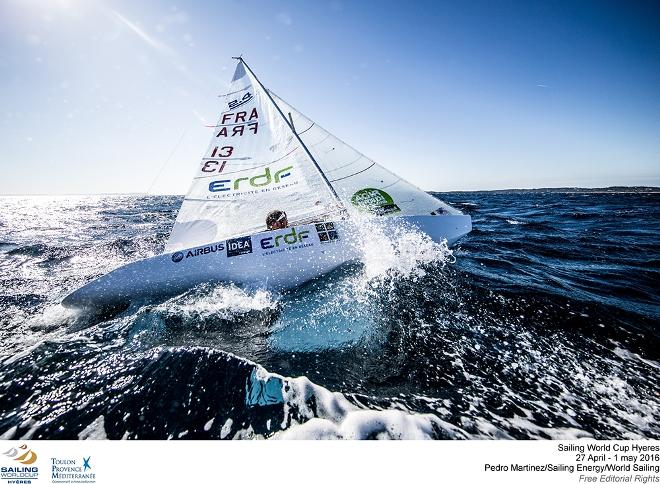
23,470
23,455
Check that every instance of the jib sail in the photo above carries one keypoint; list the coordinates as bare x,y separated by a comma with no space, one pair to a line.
358,180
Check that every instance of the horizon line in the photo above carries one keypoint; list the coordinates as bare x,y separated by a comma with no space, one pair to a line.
652,187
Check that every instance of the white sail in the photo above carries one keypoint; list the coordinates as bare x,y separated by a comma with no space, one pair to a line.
358,180
265,155
253,165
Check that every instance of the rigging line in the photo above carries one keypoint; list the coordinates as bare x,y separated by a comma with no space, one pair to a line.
356,173
160,172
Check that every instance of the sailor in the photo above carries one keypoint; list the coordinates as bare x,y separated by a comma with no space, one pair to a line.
277,220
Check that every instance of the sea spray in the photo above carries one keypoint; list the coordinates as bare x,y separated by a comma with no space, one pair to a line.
350,306
224,301
396,248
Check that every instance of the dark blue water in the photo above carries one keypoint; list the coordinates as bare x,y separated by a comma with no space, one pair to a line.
543,323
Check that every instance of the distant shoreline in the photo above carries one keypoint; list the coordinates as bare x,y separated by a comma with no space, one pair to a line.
615,189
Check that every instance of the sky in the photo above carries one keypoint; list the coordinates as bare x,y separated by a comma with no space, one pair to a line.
103,96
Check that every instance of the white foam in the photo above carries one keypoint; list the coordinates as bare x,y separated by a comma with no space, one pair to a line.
368,424
55,316
34,330
207,425
226,302
94,431
332,416
9,434
226,428
560,433
625,354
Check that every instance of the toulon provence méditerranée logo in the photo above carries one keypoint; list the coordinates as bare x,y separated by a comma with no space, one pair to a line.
72,470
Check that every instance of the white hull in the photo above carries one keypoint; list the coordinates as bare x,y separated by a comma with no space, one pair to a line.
278,260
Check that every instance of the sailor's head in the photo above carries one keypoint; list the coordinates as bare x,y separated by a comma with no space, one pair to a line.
276,220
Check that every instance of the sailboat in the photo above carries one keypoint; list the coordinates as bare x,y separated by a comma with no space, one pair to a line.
265,155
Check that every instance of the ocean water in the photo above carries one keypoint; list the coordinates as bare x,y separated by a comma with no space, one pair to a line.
541,324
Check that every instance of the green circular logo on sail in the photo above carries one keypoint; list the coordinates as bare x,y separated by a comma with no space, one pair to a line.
374,200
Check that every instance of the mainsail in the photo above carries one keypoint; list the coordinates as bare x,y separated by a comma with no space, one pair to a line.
258,160
253,164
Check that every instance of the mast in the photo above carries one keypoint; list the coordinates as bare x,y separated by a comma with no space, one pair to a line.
290,125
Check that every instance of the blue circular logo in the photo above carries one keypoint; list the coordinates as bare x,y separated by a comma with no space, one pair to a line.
177,257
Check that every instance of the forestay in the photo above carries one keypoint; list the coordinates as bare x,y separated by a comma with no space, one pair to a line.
253,164
358,180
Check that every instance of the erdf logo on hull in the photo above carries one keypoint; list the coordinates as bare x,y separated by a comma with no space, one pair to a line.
292,237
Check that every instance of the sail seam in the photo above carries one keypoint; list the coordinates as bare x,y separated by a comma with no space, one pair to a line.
241,158
304,131
356,173
319,142
349,164
244,169
391,184
236,92
233,124
206,200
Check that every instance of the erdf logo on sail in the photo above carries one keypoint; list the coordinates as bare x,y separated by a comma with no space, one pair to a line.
256,181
